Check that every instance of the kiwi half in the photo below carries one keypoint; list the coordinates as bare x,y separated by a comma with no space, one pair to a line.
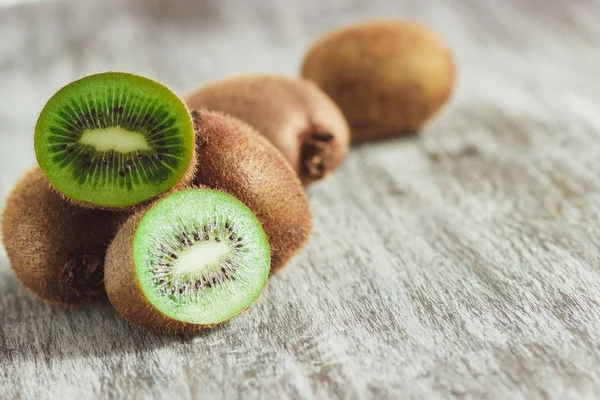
238,160
297,117
388,77
196,258
55,247
115,140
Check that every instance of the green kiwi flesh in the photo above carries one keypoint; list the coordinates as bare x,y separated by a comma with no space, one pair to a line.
114,140
197,257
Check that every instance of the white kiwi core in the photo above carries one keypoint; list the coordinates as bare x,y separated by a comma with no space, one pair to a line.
114,138
200,258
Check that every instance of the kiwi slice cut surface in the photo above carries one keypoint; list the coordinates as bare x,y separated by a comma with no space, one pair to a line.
197,257
115,140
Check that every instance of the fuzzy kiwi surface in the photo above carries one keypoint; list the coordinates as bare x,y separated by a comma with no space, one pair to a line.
295,115
56,248
194,259
388,77
115,140
238,160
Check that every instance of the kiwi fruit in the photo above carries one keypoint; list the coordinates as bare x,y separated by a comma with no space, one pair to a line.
388,77
194,259
297,117
115,140
55,247
238,160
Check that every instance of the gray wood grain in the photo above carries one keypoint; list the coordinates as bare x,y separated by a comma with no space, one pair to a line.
461,264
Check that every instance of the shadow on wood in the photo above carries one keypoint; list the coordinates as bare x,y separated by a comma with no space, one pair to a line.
48,332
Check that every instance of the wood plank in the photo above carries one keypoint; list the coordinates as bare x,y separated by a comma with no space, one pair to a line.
460,264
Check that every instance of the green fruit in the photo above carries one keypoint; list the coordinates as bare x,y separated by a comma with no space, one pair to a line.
115,140
196,258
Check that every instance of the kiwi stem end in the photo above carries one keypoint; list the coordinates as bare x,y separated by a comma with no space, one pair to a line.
316,153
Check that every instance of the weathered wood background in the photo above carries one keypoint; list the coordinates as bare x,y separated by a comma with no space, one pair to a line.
460,264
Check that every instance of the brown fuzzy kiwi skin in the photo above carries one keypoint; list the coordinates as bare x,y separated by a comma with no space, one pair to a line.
295,115
124,290
185,180
56,248
236,159
388,77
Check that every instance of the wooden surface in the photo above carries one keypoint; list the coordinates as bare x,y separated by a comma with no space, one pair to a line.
461,264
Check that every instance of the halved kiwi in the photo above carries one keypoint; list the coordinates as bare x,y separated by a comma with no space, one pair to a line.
55,247
196,258
115,140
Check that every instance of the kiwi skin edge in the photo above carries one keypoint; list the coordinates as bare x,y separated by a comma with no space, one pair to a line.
295,115
237,160
55,248
125,292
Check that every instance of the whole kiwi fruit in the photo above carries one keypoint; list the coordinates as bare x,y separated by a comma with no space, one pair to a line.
56,248
388,77
238,160
297,117
115,140
194,259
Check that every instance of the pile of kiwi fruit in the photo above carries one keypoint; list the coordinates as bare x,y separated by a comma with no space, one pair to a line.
177,211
